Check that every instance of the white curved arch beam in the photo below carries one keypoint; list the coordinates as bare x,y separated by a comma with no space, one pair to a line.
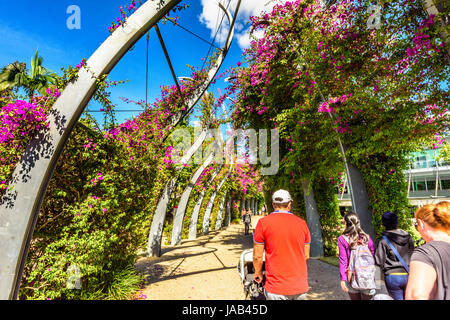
209,207
228,217
192,100
220,213
432,8
20,207
198,205
156,230
159,216
181,210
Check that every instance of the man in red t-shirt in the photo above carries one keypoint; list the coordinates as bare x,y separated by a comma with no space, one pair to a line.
285,239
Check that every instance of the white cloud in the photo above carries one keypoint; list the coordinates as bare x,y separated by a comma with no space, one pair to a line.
244,39
212,14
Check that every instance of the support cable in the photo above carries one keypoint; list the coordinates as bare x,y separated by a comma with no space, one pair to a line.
215,36
168,60
196,35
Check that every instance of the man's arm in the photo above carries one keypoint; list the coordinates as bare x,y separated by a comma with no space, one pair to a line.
258,252
307,250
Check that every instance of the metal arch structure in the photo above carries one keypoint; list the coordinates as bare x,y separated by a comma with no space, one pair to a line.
20,206
156,229
159,216
198,205
184,199
219,220
433,7
228,216
182,204
191,101
242,207
209,207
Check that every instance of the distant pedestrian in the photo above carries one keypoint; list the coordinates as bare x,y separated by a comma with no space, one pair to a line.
354,242
393,255
247,221
243,213
263,210
429,274
285,240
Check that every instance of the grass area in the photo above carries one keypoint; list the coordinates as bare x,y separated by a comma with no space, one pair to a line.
334,261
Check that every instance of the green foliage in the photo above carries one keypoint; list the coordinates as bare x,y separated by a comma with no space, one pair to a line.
37,79
188,214
235,212
334,261
386,186
100,202
321,77
95,216
215,211
330,216
124,283
445,152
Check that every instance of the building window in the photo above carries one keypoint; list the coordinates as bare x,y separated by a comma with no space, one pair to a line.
431,185
445,184
420,162
420,185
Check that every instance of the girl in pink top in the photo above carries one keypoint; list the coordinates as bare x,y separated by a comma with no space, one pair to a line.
350,236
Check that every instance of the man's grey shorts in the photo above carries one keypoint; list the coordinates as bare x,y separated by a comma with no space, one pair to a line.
274,296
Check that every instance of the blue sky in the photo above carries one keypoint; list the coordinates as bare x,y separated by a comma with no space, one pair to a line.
42,24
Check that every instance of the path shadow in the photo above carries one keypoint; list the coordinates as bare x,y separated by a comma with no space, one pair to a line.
211,254
157,273
166,267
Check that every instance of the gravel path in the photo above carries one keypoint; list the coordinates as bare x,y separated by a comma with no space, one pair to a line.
206,269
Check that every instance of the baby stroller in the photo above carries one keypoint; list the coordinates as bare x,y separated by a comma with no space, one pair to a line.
252,290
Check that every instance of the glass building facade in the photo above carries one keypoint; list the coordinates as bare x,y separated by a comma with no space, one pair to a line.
427,176
428,179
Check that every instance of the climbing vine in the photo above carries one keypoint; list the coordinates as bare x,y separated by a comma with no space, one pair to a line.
321,76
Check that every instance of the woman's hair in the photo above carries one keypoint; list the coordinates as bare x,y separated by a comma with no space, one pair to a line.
353,229
436,216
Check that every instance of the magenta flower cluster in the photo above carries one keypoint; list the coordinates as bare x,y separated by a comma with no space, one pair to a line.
90,145
99,177
53,92
125,12
19,119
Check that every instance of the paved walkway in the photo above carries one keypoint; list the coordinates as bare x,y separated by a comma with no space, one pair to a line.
206,269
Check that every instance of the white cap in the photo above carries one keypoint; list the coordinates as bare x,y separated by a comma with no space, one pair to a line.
281,196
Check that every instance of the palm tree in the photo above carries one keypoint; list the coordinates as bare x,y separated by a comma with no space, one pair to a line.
13,75
16,75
